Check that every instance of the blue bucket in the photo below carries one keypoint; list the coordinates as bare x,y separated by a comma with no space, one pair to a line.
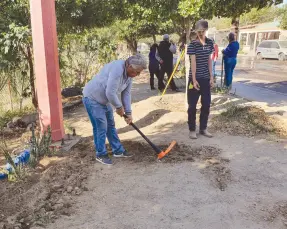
3,176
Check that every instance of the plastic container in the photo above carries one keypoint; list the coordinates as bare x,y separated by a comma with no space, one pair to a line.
3,176
9,168
21,159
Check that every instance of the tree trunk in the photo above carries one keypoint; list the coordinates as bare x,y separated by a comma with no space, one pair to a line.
188,30
235,27
10,94
132,45
32,78
154,38
21,92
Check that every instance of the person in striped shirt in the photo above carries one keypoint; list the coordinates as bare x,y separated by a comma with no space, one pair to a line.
200,79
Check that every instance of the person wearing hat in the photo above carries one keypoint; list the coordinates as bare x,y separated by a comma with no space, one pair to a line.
229,57
154,67
200,79
165,53
100,94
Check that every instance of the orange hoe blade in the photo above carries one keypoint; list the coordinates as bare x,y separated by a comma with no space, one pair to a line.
160,153
163,153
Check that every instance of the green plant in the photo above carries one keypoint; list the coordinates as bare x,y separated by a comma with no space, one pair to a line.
40,146
67,127
16,169
181,72
283,17
219,90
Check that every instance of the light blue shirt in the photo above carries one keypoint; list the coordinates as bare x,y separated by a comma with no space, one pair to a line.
110,82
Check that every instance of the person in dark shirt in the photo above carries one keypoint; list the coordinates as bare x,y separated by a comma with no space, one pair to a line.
166,50
200,79
154,67
229,57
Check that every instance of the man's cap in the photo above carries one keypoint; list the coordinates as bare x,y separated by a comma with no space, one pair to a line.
165,37
201,25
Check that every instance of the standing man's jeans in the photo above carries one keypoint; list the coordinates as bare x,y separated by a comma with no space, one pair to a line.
168,70
193,96
102,119
229,65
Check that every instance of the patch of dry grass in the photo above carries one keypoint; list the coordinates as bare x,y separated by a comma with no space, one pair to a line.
247,121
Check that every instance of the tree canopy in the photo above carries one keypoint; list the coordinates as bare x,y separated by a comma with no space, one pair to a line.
81,21
283,17
233,8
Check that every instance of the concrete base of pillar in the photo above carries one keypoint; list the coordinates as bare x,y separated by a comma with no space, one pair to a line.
66,144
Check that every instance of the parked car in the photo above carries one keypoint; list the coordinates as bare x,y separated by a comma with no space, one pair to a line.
273,49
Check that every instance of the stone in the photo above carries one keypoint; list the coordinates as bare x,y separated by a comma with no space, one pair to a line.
58,206
85,189
29,127
71,91
60,201
48,207
30,118
69,189
42,211
78,191
57,186
10,125
7,130
22,220
213,161
11,220
16,119
39,223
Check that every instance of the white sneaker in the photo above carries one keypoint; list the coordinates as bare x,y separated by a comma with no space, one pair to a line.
192,135
206,133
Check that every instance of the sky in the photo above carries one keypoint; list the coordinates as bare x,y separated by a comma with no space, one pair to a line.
284,2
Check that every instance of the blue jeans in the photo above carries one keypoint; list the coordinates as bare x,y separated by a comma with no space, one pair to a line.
103,122
213,68
229,65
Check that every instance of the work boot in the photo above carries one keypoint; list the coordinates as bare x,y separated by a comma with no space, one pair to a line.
206,133
192,135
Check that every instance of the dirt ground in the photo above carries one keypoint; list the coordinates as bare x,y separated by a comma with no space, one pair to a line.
226,182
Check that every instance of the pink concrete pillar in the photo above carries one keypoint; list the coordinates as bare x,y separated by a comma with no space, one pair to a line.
45,47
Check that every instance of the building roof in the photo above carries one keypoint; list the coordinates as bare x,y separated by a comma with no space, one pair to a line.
268,25
264,26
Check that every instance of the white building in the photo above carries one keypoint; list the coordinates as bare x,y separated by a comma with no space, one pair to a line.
250,36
